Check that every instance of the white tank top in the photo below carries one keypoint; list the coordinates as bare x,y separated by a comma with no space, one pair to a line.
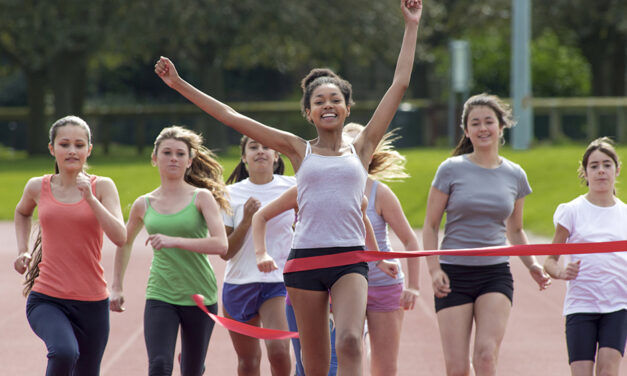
330,191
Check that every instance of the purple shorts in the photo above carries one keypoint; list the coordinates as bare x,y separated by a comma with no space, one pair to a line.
384,298
242,302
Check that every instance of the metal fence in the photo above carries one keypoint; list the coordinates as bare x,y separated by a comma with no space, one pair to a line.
421,122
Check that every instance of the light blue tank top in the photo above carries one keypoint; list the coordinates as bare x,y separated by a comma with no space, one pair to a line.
376,277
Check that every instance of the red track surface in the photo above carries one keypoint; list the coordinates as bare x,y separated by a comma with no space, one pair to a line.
533,345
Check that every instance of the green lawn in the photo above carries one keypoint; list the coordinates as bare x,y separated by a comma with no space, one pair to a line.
551,171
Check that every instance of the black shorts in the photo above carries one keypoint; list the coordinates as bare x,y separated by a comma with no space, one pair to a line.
322,279
585,330
470,282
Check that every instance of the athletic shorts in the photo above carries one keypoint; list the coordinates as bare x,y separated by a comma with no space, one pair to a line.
585,330
322,279
242,302
384,298
470,282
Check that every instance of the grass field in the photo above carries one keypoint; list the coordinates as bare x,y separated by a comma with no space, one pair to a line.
551,171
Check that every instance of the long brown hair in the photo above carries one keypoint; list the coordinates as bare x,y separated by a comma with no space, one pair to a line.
205,171
33,268
501,109
240,172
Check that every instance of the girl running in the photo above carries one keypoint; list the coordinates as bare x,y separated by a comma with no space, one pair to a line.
596,297
184,223
249,295
67,305
483,196
330,171
266,263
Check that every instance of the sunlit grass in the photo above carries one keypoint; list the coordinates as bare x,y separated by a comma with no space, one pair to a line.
551,171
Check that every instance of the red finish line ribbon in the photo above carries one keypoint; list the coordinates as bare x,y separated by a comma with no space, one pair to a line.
240,327
352,257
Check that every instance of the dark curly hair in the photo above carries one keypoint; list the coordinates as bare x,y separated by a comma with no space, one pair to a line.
321,76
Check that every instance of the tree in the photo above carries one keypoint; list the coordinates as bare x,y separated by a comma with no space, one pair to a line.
599,29
51,42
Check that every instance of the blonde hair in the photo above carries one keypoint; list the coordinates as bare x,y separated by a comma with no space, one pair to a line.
205,171
386,164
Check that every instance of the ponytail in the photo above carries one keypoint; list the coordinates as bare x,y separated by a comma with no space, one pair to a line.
464,146
206,172
33,267
239,173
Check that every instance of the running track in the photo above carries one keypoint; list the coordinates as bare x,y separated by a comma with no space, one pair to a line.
533,345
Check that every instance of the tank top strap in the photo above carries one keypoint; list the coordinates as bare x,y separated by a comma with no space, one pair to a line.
372,197
194,197
45,182
307,149
353,149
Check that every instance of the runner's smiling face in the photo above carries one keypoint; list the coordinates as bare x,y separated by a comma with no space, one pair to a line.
328,109
483,128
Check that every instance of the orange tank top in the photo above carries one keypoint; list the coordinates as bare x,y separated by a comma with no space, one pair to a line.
71,249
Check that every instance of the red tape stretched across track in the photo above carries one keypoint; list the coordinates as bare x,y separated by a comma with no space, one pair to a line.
240,327
347,258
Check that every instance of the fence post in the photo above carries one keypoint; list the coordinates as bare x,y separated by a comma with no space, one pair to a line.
592,123
105,130
140,134
621,123
555,124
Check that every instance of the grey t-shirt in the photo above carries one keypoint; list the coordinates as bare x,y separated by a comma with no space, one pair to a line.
479,203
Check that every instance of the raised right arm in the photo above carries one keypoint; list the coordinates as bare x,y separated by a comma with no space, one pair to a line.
287,143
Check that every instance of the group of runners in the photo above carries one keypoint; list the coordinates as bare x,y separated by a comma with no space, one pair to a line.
337,203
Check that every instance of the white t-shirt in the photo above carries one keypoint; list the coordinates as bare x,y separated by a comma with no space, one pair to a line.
242,268
601,285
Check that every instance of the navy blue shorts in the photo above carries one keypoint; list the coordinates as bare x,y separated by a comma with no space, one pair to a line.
242,302
470,282
322,279
585,330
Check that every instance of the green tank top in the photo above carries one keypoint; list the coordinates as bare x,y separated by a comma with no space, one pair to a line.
176,274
